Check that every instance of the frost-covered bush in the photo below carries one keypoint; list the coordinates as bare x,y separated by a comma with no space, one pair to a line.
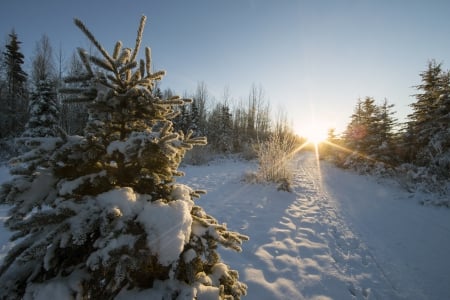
424,179
100,216
274,157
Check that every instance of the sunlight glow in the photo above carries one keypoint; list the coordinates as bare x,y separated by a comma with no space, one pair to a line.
315,133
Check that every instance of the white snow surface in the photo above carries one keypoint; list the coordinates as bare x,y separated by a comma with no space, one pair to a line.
338,235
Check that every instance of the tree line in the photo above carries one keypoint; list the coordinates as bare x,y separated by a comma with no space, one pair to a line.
374,140
419,148
231,126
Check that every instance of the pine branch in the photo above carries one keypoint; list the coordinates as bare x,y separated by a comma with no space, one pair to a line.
197,141
117,49
85,60
104,82
73,90
79,78
148,60
91,37
156,76
127,67
114,79
139,38
104,64
136,76
124,57
142,67
78,99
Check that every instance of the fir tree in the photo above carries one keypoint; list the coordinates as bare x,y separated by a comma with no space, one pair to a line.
220,126
14,59
370,135
13,104
429,122
43,111
385,150
104,213
356,130
42,133
424,109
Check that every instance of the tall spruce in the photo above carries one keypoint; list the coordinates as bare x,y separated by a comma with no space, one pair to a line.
13,60
385,150
424,109
369,135
104,214
14,105
220,126
429,122
43,112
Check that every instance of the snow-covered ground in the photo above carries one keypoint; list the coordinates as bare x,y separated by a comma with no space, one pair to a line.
337,236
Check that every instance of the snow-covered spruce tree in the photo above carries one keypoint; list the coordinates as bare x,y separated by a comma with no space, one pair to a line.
430,121
36,144
42,132
43,111
107,215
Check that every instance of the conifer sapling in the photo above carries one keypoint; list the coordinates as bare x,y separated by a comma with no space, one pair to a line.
103,214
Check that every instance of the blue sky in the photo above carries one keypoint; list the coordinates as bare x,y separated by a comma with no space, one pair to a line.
312,58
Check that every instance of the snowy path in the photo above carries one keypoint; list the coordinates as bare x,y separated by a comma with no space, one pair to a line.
337,236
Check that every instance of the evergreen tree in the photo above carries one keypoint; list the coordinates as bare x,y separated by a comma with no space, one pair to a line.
104,213
239,126
370,135
42,133
430,121
14,59
183,120
424,109
369,119
195,117
385,150
356,130
220,127
13,106
43,111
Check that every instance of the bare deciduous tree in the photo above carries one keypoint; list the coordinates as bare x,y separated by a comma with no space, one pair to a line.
43,65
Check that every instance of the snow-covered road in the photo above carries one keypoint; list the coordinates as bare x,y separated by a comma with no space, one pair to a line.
337,236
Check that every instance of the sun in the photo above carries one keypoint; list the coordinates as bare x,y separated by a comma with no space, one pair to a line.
315,133
316,137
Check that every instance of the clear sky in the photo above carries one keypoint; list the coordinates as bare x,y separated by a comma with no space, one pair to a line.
311,57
